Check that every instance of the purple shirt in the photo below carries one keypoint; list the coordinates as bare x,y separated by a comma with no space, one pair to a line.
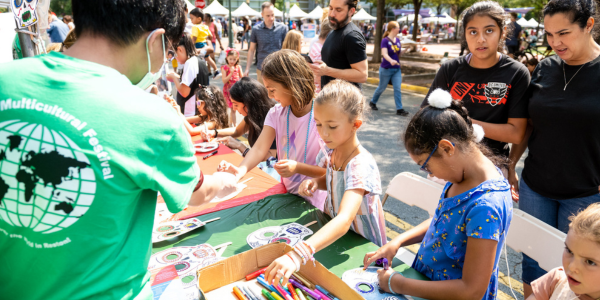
393,51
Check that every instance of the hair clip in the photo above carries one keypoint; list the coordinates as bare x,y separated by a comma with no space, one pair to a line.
478,132
440,99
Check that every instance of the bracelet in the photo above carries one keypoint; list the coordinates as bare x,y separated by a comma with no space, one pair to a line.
296,261
390,282
216,133
245,152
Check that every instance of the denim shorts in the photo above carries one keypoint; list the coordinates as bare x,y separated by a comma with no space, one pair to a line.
552,212
200,45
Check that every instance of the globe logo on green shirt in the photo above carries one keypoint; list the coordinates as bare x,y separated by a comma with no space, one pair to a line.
46,182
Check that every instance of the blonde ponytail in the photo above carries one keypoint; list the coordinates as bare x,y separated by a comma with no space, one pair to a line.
391,25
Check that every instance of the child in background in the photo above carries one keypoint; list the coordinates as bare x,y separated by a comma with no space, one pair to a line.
293,41
232,72
531,64
461,245
200,33
352,179
211,111
579,277
171,58
290,81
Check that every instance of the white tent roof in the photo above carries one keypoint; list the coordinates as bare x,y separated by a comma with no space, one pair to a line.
297,13
216,9
316,13
362,15
278,13
446,19
411,18
533,23
522,22
244,10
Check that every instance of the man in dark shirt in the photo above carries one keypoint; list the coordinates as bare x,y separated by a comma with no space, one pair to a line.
344,52
512,41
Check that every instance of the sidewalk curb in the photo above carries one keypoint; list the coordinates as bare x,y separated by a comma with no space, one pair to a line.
405,87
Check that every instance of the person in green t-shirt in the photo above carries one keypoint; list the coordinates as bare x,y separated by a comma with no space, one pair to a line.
84,152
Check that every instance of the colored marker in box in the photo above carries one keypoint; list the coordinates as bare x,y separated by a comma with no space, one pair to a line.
267,295
326,293
305,289
256,274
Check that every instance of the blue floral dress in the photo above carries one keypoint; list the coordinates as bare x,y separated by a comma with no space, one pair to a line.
483,212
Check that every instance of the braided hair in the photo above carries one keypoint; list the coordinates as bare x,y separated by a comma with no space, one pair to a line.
432,124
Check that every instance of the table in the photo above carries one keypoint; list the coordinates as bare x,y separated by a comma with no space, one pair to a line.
238,222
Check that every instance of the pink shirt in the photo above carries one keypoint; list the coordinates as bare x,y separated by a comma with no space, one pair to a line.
315,54
277,119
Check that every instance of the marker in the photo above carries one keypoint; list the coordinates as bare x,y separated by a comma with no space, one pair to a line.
325,292
255,294
291,289
267,295
211,154
283,292
244,291
305,289
276,296
265,284
300,294
238,293
323,296
256,274
304,281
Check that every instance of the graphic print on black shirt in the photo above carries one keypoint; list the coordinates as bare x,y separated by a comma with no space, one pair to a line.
491,95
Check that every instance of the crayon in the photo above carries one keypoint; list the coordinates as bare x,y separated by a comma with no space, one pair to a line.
267,295
283,292
238,293
291,289
276,296
256,274
325,292
300,294
305,289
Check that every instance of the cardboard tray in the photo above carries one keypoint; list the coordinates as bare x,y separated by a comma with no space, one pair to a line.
236,268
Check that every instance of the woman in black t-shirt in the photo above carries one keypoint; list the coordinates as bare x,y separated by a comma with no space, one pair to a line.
490,84
562,169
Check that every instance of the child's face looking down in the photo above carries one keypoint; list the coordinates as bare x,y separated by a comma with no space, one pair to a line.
445,163
334,125
278,92
581,261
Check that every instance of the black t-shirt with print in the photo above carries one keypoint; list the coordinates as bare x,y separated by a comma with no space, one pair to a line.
490,95
342,48
564,147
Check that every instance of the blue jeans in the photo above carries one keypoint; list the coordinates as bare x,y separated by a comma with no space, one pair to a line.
384,78
552,212
247,38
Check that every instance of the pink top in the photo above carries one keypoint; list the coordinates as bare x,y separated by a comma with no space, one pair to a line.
315,54
555,286
277,119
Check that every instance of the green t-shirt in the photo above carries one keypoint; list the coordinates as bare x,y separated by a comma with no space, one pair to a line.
83,153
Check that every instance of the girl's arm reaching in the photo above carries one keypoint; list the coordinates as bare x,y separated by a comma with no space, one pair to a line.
254,156
477,271
287,168
284,266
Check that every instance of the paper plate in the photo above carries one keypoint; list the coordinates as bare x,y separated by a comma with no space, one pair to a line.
291,234
365,283
206,147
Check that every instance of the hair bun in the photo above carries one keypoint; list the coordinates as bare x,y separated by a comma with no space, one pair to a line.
440,99
478,132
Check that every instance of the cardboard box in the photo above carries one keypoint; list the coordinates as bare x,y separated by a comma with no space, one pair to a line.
235,269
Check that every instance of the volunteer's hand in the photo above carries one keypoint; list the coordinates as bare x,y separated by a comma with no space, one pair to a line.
388,251
283,267
231,143
171,76
513,179
307,188
286,168
225,166
384,276
319,68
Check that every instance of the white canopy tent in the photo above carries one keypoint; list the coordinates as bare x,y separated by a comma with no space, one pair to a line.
245,10
523,22
533,23
410,18
278,13
297,13
444,19
362,15
316,13
216,9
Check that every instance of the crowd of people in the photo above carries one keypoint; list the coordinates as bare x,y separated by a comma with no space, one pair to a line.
305,111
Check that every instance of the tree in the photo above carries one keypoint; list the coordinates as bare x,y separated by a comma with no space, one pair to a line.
61,7
417,4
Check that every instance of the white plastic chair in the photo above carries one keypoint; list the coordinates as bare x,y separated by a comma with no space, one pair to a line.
537,239
417,191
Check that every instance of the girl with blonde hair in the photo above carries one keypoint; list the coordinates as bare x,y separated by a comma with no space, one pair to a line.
293,41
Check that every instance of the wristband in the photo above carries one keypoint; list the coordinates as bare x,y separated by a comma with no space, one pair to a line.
245,152
216,132
294,259
390,282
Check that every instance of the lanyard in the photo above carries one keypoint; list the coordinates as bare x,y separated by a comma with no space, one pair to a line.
307,131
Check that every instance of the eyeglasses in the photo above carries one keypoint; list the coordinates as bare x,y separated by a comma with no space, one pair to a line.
424,166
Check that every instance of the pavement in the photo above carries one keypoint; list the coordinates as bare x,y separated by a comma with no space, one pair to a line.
381,135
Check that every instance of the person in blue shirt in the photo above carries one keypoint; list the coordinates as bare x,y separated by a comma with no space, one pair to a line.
57,30
513,40
461,245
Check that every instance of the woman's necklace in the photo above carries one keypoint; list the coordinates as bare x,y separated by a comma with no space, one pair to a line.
565,74
344,163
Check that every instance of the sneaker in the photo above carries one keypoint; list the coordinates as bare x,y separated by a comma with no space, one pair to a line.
373,106
402,112
217,74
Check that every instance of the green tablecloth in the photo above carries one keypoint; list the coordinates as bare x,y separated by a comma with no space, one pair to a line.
238,222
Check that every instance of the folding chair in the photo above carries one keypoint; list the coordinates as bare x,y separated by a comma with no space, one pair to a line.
537,239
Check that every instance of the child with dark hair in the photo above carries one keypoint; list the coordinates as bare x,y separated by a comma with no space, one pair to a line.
232,72
460,246
212,112
490,84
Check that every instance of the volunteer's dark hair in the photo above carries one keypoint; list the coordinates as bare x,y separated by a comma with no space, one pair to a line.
209,17
430,125
188,45
124,22
578,11
198,13
514,15
352,4
485,8
255,97
214,105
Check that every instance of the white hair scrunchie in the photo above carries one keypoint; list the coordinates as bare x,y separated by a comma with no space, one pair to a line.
478,132
440,99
